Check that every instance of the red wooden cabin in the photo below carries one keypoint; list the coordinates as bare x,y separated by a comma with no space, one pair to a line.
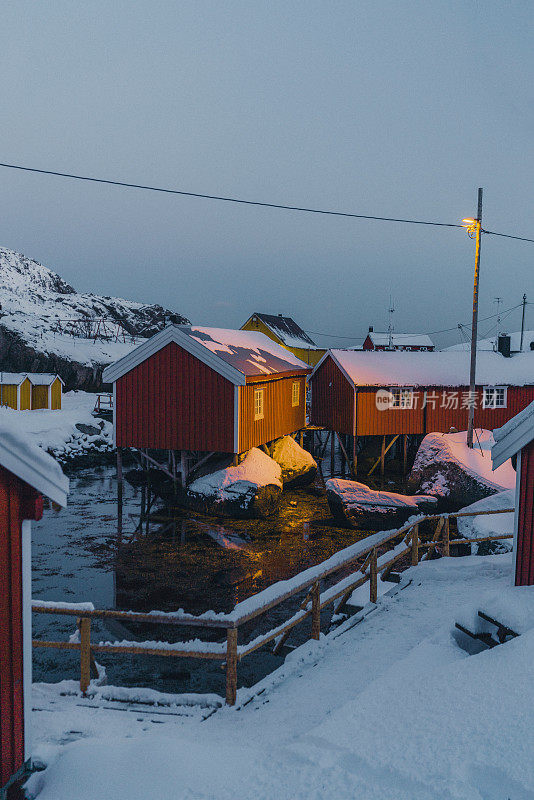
25,472
376,340
380,393
207,390
517,438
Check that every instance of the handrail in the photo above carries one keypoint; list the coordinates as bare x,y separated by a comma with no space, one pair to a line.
369,568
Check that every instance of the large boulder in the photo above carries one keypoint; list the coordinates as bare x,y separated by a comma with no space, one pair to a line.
456,475
355,505
250,490
299,468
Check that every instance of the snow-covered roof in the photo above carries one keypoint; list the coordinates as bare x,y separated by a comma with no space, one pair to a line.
32,465
286,329
382,368
12,378
513,436
401,339
236,355
491,343
42,378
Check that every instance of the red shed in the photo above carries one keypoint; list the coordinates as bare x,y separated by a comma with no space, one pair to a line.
376,340
382,393
517,438
207,390
26,472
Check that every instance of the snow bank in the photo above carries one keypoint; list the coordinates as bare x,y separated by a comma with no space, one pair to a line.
492,525
56,432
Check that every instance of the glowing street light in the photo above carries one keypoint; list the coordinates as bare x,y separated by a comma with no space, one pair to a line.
474,229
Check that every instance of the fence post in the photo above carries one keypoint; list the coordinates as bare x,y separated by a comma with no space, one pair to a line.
231,666
373,575
316,611
415,545
446,537
84,624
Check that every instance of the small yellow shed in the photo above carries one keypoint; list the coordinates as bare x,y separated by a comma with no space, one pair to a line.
15,391
46,389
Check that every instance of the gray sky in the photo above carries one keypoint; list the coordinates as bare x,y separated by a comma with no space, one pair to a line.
388,108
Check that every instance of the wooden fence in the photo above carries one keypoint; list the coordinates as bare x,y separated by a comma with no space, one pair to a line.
362,559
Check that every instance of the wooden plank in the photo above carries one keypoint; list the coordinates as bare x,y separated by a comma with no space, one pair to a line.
373,573
84,624
231,666
435,538
415,545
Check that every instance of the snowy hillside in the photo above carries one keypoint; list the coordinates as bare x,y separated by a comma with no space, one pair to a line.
45,325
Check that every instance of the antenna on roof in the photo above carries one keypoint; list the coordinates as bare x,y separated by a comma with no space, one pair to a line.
391,311
498,301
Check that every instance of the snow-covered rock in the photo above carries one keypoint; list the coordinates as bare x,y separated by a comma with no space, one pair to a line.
299,468
355,505
449,470
493,525
252,489
36,306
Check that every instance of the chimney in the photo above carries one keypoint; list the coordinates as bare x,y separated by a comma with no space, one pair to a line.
280,315
371,328
504,344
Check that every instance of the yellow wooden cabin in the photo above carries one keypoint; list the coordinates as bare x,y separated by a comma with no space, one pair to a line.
46,389
285,332
15,391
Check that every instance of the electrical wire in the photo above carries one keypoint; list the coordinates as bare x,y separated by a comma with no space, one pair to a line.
228,199
507,236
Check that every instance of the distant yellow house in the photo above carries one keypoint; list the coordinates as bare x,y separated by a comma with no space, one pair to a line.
25,391
15,391
285,332
46,390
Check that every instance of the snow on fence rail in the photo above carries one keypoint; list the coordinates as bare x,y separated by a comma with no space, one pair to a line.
362,557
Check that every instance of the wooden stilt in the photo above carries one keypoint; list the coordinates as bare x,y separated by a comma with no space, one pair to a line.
382,457
342,453
301,438
404,453
183,467
355,456
119,494
235,460
332,454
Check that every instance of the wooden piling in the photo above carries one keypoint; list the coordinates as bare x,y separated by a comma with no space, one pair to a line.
84,624
316,611
382,457
373,577
415,545
231,666
355,456
119,494
332,453
404,454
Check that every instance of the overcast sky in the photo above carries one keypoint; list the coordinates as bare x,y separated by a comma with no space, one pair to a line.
384,108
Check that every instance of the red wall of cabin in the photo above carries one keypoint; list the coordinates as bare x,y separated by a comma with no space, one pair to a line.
524,572
12,498
370,421
172,401
280,416
332,399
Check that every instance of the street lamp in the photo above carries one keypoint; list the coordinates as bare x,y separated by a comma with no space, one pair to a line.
474,229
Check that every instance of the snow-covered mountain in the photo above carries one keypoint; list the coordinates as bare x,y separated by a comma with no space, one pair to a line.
47,326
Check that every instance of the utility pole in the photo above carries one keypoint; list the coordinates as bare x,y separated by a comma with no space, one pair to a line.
475,230
523,323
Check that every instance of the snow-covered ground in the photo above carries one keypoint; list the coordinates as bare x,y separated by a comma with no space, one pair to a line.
56,432
391,708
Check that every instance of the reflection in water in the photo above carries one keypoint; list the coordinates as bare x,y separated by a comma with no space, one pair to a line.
199,563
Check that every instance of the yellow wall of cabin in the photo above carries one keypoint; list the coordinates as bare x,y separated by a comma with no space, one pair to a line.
39,397
8,395
56,395
311,357
25,395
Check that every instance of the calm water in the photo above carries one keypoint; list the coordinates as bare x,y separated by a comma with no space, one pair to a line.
198,563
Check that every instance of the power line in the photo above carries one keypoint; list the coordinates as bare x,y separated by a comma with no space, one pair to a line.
228,199
508,236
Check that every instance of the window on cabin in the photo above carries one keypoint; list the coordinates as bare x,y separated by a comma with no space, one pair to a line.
402,397
258,404
295,396
494,397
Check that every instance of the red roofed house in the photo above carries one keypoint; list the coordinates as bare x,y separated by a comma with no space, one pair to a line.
207,390
25,472
517,438
390,394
